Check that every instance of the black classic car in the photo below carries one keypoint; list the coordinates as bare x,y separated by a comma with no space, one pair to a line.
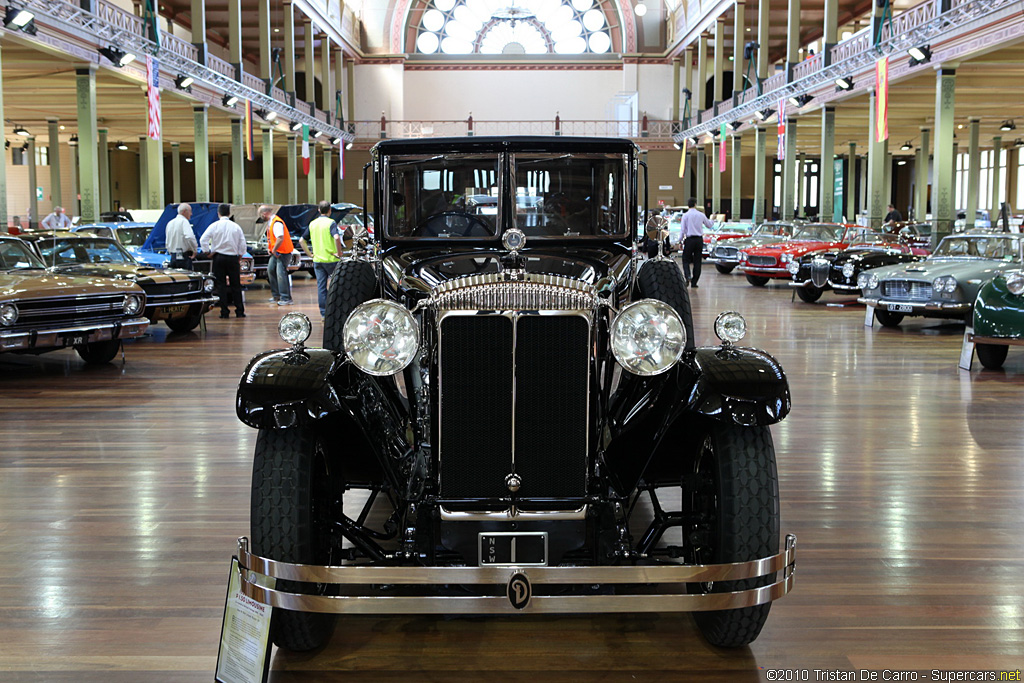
510,413
838,270
42,311
178,297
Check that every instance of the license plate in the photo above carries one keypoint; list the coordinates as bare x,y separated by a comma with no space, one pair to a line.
509,548
76,339
899,308
172,311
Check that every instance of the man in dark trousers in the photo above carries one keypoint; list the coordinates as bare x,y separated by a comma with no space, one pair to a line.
226,241
692,234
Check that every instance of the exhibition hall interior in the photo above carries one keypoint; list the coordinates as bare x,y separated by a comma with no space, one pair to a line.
547,340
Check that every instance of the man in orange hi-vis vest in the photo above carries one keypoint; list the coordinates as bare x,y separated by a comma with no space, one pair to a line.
279,242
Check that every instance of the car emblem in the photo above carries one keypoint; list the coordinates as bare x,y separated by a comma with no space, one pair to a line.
519,590
514,239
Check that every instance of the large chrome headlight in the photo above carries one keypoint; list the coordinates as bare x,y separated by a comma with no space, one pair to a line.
946,283
295,328
648,337
8,314
872,281
1015,282
132,304
793,267
246,265
848,270
862,281
786,258
208,285
381,337
730,327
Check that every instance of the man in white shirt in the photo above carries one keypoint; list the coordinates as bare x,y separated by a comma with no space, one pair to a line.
180,239
226,241
694,222
57,220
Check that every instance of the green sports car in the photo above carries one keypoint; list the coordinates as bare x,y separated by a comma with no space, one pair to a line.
999,318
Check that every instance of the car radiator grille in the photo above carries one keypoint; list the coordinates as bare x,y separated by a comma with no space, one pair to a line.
819,272
69,311
906,290
514,397
762,260
727,253
164,293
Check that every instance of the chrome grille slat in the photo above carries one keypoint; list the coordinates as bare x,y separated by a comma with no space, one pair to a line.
498,292
819,272
762,260
726,252
907,290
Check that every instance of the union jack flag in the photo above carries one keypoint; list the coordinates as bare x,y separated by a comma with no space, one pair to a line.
153,95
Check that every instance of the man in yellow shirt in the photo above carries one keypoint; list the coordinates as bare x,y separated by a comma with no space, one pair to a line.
325,237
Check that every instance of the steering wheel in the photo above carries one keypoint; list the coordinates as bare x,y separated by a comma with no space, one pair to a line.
453,223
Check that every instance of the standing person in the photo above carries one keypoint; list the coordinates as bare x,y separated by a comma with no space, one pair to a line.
226,241
894,216
56,220
692,233
180,239
279,242
325,238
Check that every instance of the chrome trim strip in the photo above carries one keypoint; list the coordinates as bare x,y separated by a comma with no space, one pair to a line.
47,339
918,305
519,292
153,302
519,516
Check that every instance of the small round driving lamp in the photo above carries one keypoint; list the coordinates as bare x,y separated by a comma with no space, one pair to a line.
938,283
648,337
132,304
862,281
873,282
8,314
848,270
730,327
950,285
381,337
793,267
295,328
1015,282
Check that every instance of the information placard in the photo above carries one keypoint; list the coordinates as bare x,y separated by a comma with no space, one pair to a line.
244,654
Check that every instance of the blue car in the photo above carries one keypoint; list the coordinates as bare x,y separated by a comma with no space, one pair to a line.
204,214
132,236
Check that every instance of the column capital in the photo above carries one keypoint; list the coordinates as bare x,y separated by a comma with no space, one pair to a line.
200,108
973,119
924,129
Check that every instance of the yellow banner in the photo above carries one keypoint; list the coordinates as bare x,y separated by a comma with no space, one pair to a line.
882,99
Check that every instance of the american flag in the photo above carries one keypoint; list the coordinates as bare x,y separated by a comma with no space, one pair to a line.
153,95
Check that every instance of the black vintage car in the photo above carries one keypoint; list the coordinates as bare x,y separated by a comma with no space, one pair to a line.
510,413
813,274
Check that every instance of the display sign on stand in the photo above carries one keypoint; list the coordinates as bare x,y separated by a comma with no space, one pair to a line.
837,191
244,654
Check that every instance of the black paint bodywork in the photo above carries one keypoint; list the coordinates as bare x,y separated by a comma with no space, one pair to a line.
863,258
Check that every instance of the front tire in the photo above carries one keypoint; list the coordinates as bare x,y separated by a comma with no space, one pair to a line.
809,294
888,318
724,270
99,353
757,280
187,322
287,473
353,283
738,491
662,280
992,356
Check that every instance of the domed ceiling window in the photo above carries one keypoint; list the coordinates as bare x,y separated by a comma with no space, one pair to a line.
532,27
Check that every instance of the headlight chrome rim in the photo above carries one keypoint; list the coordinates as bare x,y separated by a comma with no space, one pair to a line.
1015,282
208,285
873,282
359,347
8,314
730,327
669,337
132,304
793,267
295,328
950,285
848,270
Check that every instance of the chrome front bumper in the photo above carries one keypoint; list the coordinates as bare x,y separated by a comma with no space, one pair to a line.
774,271
54,338
360,597
837,287
919,306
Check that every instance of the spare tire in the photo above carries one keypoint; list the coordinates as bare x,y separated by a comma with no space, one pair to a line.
353,283
663,280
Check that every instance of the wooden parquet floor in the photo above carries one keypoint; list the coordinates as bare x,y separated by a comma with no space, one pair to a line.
123,488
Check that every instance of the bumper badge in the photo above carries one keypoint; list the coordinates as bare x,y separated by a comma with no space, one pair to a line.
519,590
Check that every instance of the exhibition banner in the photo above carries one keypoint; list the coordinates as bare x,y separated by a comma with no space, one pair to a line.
682,161
837,190
305,149
781,154
248,130
723,133
153,96
882,99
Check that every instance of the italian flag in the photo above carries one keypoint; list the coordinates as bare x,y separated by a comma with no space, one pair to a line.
305,149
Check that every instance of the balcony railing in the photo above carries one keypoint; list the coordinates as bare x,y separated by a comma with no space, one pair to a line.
221,66
911,18
807,67
383,128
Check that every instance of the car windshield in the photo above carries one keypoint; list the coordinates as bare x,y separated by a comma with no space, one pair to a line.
570,195
1002,248
869,238
777,229
442,196
15,255
822,233
133,237
733,227
77,251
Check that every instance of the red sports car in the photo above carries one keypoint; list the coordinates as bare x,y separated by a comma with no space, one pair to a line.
760,264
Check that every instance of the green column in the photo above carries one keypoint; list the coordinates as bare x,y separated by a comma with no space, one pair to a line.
289,48
800,207
234,38
828,155
339,83
293,170
143,161
760,144
850,184
737,178
351,70
328,175
716,178
3,166
311,178
225,178
789,172
676,87
944,159
267,153
700,87
176,172
56,196
199,28
310,62
33,199
201,159
326,77
700,168
154,170
719,59
792,37
831,30
687,82
763,7
973,170
88,168
878,193
237,163
997,180
921,198
73,208
263,25
103,153
739,37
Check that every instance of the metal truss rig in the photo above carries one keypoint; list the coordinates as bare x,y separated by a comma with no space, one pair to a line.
966,11
80,22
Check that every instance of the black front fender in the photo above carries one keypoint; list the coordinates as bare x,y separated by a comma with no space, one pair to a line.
281,389
739,385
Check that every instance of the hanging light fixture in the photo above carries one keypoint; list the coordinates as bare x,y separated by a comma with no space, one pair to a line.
183,82
1008,125
74,140
906,145
844,83
21,130
117,56
296,125
121,146
920,55
229,100
20,18
640,8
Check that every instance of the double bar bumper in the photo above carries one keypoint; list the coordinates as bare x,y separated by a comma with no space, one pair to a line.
55,338
359,596
930,306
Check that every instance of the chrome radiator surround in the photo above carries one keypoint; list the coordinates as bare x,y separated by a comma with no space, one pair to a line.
514,291
359,581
